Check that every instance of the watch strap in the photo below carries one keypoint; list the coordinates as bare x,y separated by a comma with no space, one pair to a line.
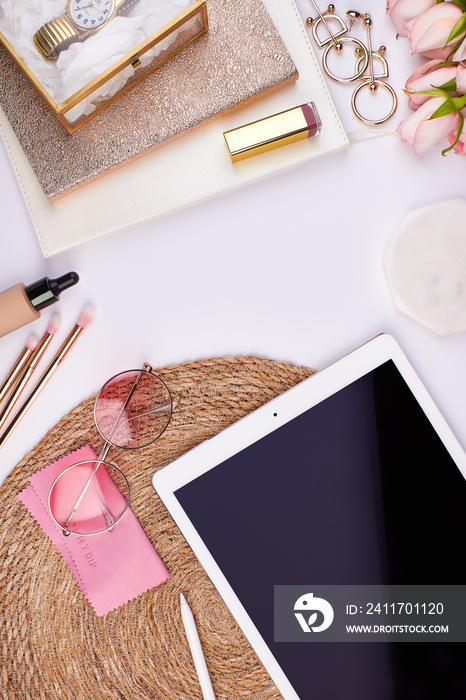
124,5
55,36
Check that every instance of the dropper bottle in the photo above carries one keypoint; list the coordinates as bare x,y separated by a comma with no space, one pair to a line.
21,304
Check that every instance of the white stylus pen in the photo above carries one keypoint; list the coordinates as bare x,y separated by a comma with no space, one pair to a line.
196,650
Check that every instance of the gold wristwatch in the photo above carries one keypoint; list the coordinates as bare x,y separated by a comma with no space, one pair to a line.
81,19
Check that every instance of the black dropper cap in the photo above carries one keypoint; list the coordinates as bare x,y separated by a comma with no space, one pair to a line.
46,291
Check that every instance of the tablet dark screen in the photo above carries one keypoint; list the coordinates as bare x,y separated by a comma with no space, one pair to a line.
357,490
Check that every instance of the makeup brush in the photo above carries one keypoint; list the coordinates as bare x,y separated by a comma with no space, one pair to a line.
83,321
29,368
15,372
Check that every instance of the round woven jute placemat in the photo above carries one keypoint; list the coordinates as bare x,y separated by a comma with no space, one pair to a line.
52,643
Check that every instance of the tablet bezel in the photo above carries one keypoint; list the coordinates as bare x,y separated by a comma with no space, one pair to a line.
260,423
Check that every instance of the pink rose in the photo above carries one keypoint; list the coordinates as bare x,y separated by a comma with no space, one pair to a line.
460,53
427,77
429,32
461,79
422,132
403,11
460,145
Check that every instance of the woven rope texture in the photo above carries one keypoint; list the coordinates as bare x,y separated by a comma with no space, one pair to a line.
52,645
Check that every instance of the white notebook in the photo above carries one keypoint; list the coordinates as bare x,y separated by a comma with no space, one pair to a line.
133,192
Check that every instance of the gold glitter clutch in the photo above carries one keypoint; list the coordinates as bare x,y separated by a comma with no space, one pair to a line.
240,57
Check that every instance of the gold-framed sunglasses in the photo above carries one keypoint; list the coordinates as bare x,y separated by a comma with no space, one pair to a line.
131,411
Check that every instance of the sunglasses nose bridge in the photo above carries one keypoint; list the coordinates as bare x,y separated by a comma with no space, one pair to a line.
104,451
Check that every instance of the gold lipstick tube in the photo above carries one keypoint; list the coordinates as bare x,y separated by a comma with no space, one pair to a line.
278,130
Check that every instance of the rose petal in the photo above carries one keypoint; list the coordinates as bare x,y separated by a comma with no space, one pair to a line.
422,80
460,145
442,54
434,37
403,11
461,79
431,131
421,70
407,128
431,29
460,54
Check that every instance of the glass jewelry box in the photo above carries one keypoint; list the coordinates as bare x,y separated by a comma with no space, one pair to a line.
82,54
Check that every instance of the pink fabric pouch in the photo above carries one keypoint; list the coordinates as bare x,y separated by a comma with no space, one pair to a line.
110,568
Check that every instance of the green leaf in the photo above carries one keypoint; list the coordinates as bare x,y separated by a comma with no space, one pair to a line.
458,134
455,48
459,102
461,3
458,29
448,107
450,86
444,64
436,92
451,104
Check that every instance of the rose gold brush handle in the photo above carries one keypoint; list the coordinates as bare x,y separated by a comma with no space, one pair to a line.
53,366
15,372
25,376
83,321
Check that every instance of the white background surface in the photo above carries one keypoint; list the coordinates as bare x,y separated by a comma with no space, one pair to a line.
289,268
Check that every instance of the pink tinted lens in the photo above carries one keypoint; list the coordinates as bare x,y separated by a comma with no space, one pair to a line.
133,409
89,497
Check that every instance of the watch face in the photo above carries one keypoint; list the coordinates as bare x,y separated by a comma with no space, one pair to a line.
90,14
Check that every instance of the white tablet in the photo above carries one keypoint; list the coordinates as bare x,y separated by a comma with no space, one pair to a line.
351,478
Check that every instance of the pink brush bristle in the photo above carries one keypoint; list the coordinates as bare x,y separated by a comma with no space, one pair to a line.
32,342
86,317
54,324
